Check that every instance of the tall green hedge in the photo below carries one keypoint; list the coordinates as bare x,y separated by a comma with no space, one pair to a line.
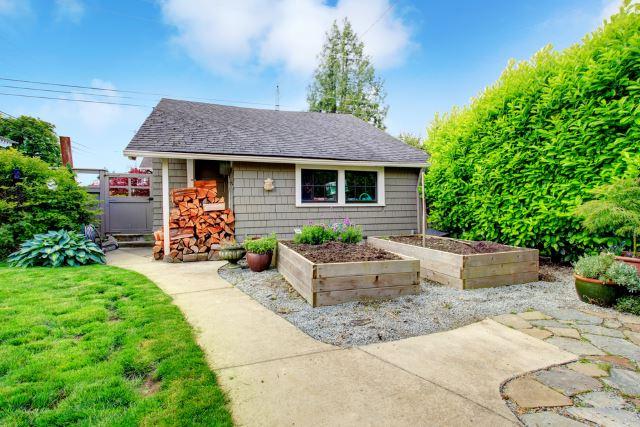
43,198
512,165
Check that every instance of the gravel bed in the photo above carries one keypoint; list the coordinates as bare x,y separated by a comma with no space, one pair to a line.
435,309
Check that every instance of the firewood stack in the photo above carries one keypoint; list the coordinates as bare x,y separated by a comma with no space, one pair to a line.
198,222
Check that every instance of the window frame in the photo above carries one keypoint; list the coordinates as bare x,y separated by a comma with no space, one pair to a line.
380,185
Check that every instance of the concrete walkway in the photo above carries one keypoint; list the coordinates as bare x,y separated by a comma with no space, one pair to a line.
276,375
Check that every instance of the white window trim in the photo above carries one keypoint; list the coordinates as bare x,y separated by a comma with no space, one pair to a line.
341,182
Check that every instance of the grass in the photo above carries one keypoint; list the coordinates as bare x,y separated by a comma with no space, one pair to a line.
99,345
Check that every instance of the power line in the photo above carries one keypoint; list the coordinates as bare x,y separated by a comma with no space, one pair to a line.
65,91
377,20
136,92
76,100
7,114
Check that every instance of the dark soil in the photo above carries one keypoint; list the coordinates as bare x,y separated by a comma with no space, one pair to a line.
460,247
340,252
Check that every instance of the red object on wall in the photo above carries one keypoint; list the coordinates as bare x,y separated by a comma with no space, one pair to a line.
65,150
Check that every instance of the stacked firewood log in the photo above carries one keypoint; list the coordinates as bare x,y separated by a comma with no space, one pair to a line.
198,222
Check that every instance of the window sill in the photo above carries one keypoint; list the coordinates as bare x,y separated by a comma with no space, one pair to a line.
340,205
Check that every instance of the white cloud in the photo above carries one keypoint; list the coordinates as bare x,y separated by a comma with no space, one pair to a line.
14,7
226,35
71,10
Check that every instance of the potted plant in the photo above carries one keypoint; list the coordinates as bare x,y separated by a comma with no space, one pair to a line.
231,251
260,252
616,208
601,280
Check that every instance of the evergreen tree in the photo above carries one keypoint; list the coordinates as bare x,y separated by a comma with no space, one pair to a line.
345,80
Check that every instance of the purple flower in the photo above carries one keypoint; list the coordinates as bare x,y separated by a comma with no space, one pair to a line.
346,221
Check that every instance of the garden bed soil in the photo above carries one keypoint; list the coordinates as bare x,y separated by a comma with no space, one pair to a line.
340,252
460,247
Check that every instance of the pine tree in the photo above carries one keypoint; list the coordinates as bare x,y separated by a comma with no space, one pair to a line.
345,80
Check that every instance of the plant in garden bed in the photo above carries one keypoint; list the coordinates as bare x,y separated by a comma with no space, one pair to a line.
600,279
616,209
317,234
260,252
57,249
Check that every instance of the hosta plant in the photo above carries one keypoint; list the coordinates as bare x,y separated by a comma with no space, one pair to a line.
57,249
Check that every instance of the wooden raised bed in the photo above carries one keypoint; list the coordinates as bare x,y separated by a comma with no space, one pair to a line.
335,283
468,271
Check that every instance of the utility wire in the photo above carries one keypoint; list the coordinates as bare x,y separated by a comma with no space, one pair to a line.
7,114
136,92
377,20
75,100
65,91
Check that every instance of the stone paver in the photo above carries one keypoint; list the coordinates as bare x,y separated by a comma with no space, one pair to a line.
512,321
549,419
634,337
612,323
629,319
536,333
574,316
575,346
618,346
624,380
529,393
533,315
565,332
600,330
567,381
548,323
606,417
588,368
602,399
620,361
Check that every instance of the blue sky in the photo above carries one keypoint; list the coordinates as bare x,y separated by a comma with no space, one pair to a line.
432,55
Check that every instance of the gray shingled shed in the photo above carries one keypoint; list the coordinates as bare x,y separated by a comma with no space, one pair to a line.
322,167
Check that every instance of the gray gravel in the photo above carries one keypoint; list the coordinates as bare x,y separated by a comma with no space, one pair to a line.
436,308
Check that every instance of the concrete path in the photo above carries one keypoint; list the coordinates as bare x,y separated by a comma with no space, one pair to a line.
275,374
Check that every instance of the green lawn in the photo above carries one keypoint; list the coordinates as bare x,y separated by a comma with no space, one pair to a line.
99,345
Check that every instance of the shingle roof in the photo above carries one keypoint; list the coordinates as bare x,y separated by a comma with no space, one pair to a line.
195,127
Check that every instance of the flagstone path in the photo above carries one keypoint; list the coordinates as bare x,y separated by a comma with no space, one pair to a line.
602,388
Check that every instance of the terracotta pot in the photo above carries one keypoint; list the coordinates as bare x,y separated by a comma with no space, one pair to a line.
594,291
634,262
259,262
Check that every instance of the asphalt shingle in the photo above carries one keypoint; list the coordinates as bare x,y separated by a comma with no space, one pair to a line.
194,127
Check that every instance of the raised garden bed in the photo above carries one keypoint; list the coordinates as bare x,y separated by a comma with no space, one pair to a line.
346,272
464,264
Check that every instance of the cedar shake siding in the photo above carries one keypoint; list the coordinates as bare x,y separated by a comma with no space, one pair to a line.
177,179
260,212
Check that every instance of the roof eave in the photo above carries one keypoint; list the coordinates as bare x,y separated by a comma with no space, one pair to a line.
269,159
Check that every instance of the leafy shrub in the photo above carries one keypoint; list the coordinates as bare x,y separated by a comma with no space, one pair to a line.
261,246
604,267
513,165
42,199
616,209
35,137
315,234
593,266
57,249
629,304
351,235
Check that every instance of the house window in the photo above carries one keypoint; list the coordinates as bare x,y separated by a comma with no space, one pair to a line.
319,186
361,186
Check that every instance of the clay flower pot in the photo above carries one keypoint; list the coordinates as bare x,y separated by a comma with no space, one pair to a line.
594,291
634,262
259,262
